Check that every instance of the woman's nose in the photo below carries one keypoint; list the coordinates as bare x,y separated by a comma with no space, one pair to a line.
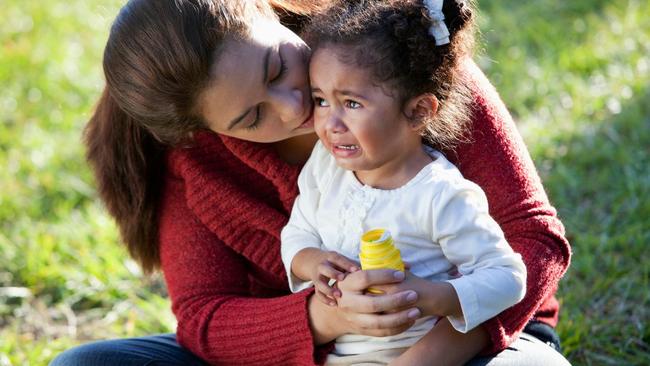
290,104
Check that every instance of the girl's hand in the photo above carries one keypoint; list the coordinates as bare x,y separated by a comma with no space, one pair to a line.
332,266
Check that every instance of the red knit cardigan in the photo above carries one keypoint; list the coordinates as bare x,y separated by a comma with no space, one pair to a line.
226,200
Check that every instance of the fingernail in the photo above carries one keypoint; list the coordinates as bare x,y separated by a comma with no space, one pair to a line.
414,314
398,275
412,296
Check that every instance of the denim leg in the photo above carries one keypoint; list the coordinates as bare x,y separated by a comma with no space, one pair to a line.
154,350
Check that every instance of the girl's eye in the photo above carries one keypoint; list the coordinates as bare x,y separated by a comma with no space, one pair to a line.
283,69
256,122
320,102
352,104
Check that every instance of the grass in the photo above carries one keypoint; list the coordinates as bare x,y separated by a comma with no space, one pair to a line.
575,75
63,278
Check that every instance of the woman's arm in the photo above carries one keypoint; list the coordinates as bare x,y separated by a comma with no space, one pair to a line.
222,321
219,319
497,160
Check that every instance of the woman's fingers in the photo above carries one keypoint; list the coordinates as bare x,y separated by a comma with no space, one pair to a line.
361,280
368,304
379,325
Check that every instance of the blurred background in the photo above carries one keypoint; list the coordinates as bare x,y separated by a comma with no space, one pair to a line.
574,74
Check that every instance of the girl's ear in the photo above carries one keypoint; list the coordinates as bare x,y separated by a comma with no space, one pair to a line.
421,108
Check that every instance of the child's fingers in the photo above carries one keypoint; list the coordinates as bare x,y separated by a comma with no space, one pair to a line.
342,262
323,286
325,293
324,299
327,270
337,292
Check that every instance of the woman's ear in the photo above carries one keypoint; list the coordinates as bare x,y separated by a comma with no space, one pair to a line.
421,108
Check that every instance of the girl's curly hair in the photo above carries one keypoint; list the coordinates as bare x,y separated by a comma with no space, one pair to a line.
391,39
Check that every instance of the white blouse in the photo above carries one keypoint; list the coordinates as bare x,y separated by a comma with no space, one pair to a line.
440,223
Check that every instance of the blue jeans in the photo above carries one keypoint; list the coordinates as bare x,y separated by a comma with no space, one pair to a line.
154,350
164,350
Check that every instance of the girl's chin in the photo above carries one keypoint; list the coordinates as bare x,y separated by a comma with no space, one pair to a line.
348,163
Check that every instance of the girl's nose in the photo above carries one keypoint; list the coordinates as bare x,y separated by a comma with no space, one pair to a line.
334,124
290,104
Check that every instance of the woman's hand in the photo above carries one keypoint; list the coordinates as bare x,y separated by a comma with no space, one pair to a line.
360,313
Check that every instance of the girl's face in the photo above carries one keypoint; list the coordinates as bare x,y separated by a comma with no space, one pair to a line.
259,88
362,126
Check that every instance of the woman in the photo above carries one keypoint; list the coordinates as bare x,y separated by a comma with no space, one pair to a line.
196,144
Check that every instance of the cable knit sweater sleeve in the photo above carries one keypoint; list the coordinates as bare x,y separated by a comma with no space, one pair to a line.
221,317
498,161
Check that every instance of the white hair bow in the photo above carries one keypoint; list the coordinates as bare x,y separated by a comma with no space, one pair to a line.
438,29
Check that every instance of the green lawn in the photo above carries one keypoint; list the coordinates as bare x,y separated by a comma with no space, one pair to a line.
575,75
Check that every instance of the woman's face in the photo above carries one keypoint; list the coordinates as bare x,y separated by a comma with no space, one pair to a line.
259,88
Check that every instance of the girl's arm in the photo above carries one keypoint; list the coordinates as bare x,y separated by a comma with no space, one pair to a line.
442,345
497,160
299,238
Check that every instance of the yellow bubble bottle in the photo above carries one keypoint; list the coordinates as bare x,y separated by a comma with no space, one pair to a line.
379,252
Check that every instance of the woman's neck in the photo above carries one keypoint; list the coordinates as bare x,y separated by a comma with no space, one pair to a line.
296,150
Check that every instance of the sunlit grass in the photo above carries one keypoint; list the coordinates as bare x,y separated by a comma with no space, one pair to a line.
575,75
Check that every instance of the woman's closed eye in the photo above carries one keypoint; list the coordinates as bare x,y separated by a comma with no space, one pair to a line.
256,122
282,70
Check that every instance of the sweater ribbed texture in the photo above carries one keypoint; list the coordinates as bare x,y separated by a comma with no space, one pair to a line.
225,202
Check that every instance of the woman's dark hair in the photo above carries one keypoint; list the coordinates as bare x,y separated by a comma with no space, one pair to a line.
391,39
156,62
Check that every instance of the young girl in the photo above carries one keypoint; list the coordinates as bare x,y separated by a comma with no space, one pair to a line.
384,78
